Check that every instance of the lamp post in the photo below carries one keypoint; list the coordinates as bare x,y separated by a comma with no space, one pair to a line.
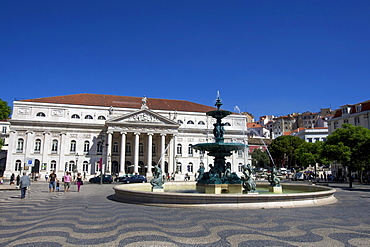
75,166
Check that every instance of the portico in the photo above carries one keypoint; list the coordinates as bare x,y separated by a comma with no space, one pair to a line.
139,140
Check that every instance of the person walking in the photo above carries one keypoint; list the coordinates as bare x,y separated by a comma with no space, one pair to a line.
79,181
12,179
52,181
67,182
24,182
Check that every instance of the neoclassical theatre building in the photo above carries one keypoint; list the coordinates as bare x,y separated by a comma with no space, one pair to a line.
118,134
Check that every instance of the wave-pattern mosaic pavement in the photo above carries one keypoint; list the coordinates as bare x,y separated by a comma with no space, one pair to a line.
90,218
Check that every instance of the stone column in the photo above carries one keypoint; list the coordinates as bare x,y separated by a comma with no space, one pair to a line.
122,169
62,154
136,152
28,146
172,155
46,148
10,161
150,154
109,152
163,152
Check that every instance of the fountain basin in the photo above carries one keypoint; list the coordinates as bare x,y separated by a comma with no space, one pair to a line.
176,195
219,148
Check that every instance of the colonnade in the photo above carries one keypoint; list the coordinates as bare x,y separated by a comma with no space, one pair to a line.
170,149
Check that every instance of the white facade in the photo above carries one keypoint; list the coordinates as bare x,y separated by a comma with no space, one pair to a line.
72,137
312,135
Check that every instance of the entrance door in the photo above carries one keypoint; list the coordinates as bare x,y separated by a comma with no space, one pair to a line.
115,167
36,167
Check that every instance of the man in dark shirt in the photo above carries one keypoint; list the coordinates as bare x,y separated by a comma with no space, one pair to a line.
52,181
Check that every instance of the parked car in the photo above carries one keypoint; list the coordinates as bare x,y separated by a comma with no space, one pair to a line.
107,179
298,176
120,178
135,179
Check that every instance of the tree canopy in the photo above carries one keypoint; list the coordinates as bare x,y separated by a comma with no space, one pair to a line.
260,158
349,146
5,110
282,150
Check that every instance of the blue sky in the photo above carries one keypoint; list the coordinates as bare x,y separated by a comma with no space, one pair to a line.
266,57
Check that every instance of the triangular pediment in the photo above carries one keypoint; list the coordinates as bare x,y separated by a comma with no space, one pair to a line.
143,117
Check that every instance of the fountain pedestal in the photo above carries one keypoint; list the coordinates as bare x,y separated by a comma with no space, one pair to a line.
157,189
219,188
276,189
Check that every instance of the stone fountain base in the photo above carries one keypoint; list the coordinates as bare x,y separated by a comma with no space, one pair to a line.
219,188
142,194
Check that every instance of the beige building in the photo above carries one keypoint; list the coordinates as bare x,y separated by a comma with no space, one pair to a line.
126,135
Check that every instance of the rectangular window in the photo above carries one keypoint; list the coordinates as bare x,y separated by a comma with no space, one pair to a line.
4,130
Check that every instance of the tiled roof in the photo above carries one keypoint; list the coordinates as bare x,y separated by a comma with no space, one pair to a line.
365,106
123,102
253,125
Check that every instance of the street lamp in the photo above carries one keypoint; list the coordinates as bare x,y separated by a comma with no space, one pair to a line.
75,167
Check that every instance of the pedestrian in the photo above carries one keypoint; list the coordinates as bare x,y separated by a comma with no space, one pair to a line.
12,178
52,180
67,182
58,185
79,181
24,182
46,177
18,179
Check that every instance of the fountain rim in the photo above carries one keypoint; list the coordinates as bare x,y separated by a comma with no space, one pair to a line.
232,201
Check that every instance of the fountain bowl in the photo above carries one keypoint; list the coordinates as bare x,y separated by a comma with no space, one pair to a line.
174,196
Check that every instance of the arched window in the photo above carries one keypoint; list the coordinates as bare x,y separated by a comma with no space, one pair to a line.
190,150
53,165
180,122
190,167
86,146
40,114
201,123
115,147
227,124
141,149
73,146
88,117
190,122
75,116
101,118
128,148
71,166
37,146
18,165
178,167
54,147
85,166
179,149
20,144
99,147
240,167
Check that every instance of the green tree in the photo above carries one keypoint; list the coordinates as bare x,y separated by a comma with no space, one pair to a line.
5,110
309,153
1,143
282,149
349,146
260,158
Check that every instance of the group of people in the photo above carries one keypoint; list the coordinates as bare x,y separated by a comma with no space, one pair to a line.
54,183
24,182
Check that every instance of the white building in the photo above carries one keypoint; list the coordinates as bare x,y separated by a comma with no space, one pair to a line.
312,134
128,134
355,114
4,136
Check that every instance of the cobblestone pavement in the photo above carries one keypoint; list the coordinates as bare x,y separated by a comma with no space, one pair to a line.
90,218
